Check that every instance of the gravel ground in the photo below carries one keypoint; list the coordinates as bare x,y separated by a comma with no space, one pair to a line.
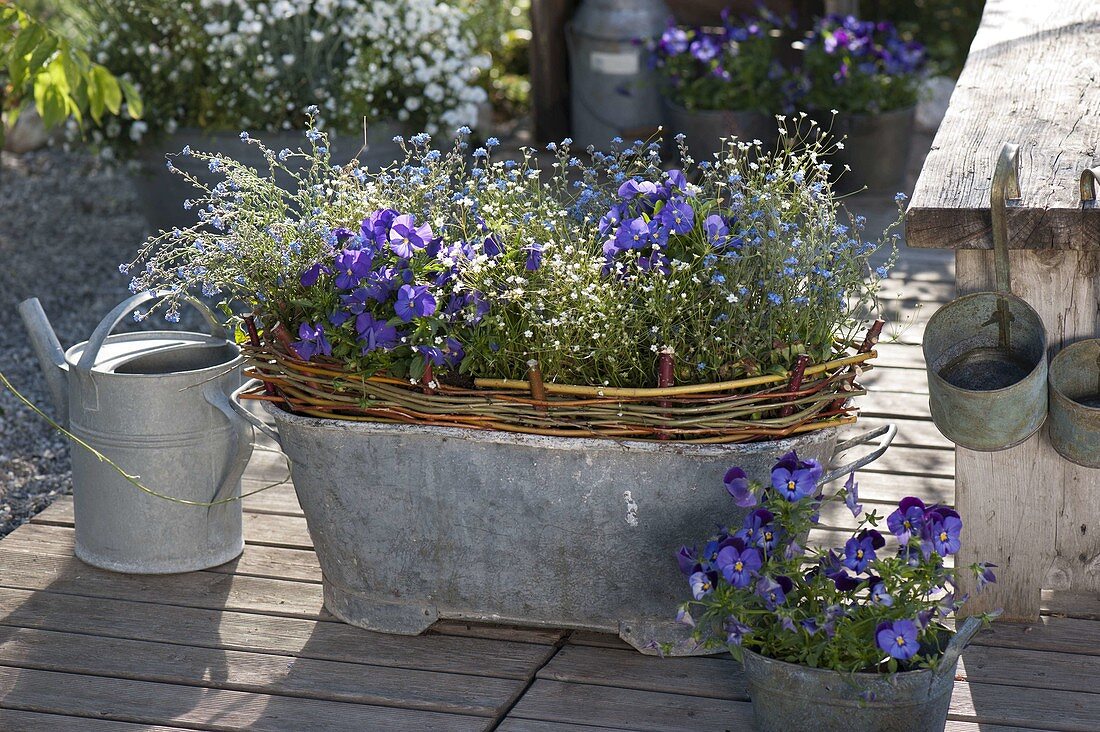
66,221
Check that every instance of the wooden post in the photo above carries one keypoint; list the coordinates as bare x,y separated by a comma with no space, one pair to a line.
1025,509
550,68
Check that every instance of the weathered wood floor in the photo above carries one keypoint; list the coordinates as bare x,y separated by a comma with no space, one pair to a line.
248,646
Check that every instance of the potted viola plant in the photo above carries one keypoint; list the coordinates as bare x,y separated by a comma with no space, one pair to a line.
851,638
721,82
861,79
468,358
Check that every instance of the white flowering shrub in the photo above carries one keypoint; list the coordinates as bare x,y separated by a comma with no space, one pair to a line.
233,64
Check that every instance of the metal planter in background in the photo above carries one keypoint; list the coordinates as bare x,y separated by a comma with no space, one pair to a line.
1074,425
876,148
412,523
986,352
706,128
613,87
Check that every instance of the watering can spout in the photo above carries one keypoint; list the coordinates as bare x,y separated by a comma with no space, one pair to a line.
50,354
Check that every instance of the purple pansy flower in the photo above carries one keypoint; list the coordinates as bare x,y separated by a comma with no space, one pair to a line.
702,584
851,495
795,479
375,334
941,531
677,181
736,631
352,265
683,616
413,301
898,639
376,227
678,216
632,188
738,563
859,551
634,234
878,593
406,237
753,524
985,574
907,520
534,257
774,591
611,219
312,341
737,485
716,230
688,560
310,276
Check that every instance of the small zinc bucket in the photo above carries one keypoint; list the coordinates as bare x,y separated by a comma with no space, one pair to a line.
986,352
787,697
1074,380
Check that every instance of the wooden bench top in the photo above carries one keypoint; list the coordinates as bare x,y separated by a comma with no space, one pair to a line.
1032,78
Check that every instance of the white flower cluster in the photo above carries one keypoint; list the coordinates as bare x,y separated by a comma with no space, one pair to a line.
240,64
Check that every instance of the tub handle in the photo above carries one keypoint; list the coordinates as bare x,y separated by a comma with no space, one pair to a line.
235,404
1005,187
886,435
235,470
957,644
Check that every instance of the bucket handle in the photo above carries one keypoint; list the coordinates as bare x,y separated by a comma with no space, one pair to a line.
235,404
1089,177
235,470
957,644
113,318
886,433
1005,186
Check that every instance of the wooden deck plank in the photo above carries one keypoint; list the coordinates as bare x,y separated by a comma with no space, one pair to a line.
267,634
538,725
149,702
647,711
13,720
1049,633
250,671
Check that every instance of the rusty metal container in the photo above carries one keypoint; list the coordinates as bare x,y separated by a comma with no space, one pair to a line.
1074,425
986,352
787,697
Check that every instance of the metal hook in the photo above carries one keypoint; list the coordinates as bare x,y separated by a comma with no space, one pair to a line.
1089,177
1006,186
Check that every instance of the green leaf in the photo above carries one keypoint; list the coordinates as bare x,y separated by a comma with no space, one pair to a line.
134,105
51,95
104,92
28,39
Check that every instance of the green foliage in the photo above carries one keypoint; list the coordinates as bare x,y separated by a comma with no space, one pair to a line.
502,29
59,78
945,27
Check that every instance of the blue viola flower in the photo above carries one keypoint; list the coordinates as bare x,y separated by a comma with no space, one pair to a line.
352,266
851,495
631,189
634,234
859,551
414,301
844,582
878,593
611,220
795,479
376,227
310,276
375,334
491,246
737,485
688,560
774,591
898,639
907,520
941,531
534,257
406,237
754,523
736,631
738,563
714,226
702,584
678,216
677,181
312,341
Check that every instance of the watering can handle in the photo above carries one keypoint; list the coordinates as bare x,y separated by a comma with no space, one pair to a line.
886,433
113,318
235,403
1089,177
235,470
1005,186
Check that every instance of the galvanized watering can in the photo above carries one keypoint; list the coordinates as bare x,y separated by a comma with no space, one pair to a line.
156,404
986,352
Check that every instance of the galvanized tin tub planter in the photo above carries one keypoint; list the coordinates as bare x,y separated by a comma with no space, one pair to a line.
156,403
876,148
787,697
706,128
162,192
416,523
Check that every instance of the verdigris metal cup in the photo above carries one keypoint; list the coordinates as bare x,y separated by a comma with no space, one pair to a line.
1074,380
986,352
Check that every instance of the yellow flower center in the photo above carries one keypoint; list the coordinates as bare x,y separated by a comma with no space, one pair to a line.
790,485
738,566
900,640
859,554
943,536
